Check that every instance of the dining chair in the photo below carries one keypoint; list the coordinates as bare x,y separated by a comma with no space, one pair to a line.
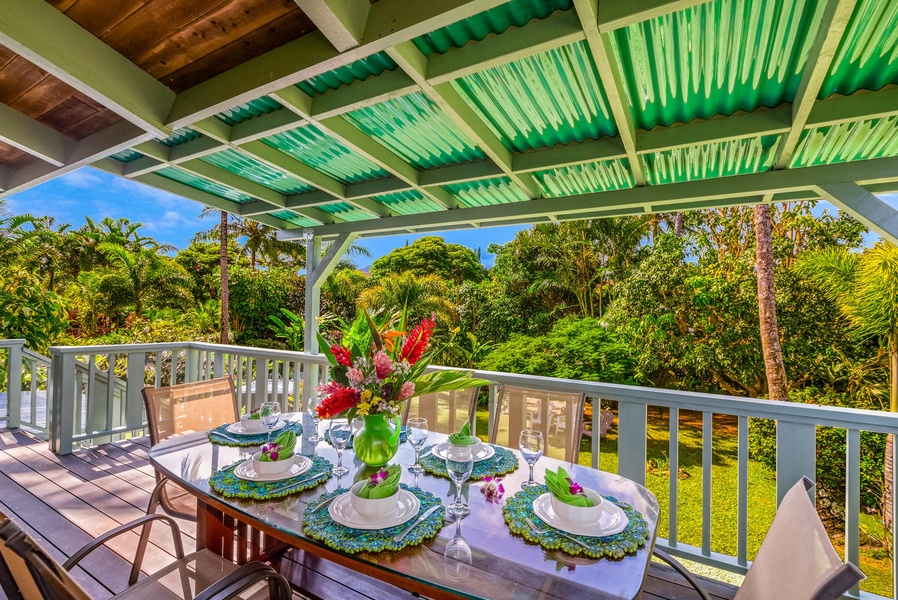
796,559
180,409
28,572
445,412
520,408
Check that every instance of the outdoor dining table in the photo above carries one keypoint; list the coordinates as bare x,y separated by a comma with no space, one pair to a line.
504,565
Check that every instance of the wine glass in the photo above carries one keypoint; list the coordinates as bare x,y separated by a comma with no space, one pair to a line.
269,413
457,556
532,450
417,435
340,432
312,408
459,465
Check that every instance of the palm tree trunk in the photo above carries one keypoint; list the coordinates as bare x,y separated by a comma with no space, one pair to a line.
777,384
223,262
887,491
678,224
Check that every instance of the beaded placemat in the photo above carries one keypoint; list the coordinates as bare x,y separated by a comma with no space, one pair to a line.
504,461
520,506
403,435
227,484
320,526
244,441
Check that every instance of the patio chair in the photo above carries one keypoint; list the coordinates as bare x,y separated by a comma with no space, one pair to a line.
796,559
180,409
445,412
523,408
28,572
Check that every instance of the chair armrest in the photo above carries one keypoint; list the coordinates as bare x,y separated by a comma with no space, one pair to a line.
679,568
244,577
144,521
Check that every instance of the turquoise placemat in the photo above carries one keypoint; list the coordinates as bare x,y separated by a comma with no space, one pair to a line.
227,484
520,506
320,526
244,441
504,461
403,435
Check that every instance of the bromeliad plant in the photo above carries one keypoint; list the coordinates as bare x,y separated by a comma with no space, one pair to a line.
376,368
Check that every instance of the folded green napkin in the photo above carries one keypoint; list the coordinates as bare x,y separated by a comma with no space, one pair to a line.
463,436
280,449
565,489
382,484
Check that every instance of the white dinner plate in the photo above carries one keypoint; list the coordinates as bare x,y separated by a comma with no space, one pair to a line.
341,511
238,429
481,451
612,519
245,470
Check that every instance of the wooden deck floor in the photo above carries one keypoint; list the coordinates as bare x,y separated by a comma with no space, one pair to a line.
63,501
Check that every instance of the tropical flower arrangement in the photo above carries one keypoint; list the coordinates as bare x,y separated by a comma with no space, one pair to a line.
378,366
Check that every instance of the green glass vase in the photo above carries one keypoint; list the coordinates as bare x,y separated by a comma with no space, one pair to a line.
377,441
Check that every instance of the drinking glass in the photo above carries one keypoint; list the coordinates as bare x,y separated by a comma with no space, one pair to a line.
269,413
312,408
458,556
340,432
532,450
417,435
459,464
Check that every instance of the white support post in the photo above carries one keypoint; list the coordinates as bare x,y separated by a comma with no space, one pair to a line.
133,384
14,386
61,421
796,455
632,423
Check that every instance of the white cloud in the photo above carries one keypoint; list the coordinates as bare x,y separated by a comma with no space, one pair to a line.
82,178
170,219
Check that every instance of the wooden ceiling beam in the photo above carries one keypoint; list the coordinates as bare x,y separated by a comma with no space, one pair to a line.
341,21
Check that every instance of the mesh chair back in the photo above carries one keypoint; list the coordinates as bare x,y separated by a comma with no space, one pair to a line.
558,415
27,572
797,559
445,412
189,407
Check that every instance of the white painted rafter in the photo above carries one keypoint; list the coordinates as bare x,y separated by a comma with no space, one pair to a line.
341,21
34,137
863,206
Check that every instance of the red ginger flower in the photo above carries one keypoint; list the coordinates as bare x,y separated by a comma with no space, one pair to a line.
342,355
341,399
416,343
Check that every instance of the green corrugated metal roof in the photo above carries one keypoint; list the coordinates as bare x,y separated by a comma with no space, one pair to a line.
551,98
721,159
248,168
584,179
875,138
497,190
358,71
716,58
126,156
253,108
346,211
292,217
179,136
416,129
409,203
867,57
512,14
216,189
320,151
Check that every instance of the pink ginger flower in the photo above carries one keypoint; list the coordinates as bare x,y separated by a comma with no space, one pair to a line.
354,375
383,366
407,390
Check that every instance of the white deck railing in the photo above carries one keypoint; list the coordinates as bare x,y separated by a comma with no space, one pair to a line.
84,408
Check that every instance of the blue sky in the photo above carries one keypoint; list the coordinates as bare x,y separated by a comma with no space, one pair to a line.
174,220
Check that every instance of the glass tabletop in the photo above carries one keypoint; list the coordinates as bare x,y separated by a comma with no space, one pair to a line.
503,565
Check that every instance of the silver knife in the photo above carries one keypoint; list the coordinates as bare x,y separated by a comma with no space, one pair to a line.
226,437
321,505
418,521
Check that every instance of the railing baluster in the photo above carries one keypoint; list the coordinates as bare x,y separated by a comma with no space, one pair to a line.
110,392
707,460
596,431
89,425
174,359
673,465
853,498
631,441
14,387
297,388
796,445
157,361
238,383
135,382
742,493
79,400
261,381
32,393
218,365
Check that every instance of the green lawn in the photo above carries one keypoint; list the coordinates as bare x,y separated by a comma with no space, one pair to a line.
761,488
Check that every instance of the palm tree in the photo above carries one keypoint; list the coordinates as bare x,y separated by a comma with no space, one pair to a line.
775,368
145,272
422,295
45,247
221,232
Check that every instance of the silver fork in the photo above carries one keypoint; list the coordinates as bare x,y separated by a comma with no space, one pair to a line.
539,531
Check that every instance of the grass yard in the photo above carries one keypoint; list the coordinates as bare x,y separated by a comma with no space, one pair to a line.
761,489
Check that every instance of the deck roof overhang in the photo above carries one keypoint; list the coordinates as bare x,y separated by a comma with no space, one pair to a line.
369,118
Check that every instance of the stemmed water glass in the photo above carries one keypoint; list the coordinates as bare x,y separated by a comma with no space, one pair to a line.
457,555
269,413
312,408
459,465
340,432
417,435
532,450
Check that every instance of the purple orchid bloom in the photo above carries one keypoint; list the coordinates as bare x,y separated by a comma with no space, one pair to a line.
576,488
492,488
377,478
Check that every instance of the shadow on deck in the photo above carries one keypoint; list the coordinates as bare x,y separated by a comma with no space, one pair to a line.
63,501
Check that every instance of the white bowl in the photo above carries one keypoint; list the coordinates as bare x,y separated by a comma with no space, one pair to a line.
276,467
473,446
579,514
252,424
372,508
